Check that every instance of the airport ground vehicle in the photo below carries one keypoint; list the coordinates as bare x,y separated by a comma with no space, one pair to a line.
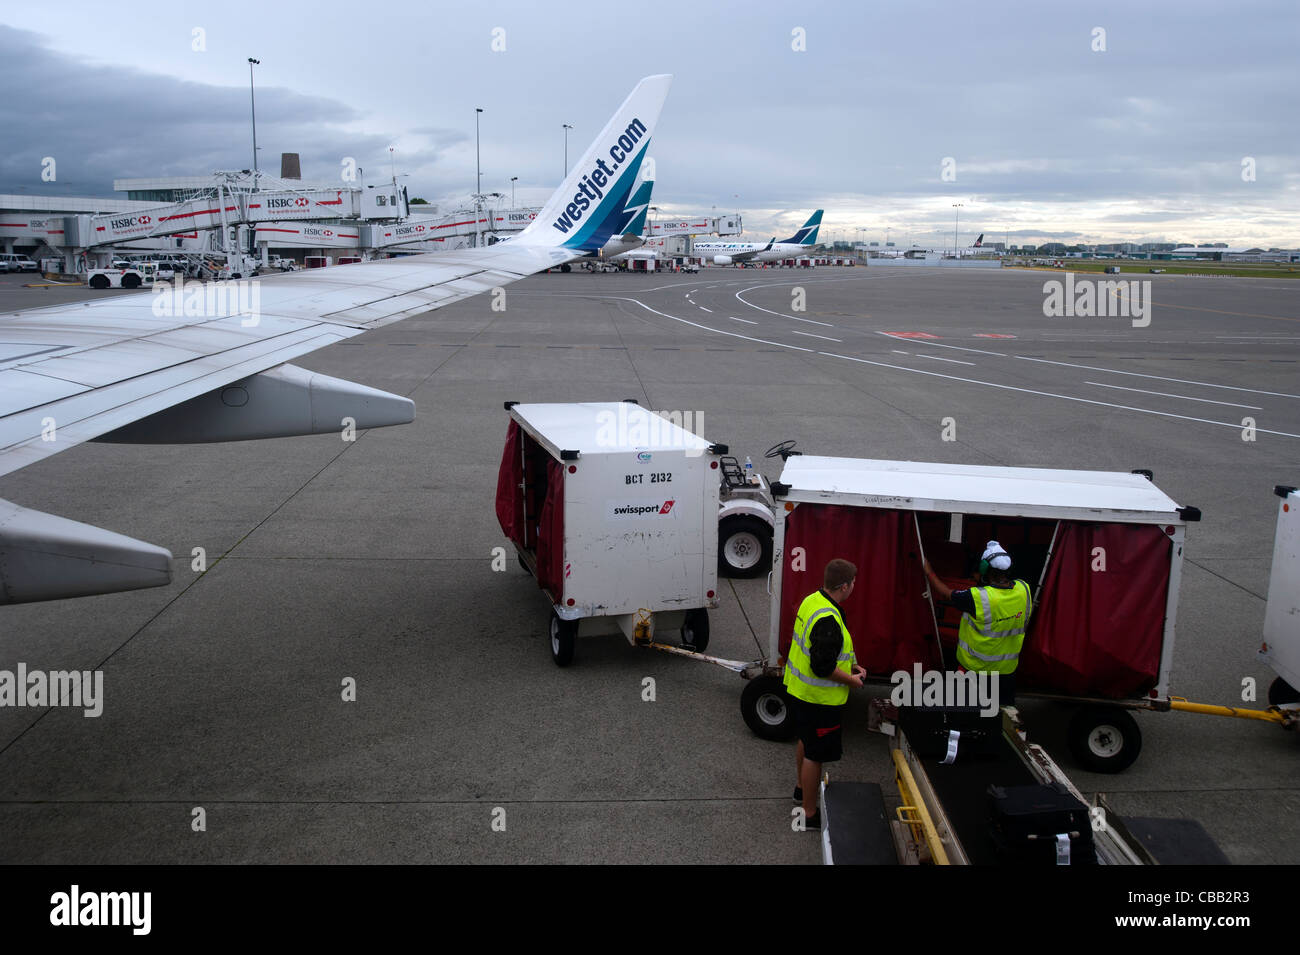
127,276
888,516
1102,552
1281,649
947,818
745,520
13,262
613,509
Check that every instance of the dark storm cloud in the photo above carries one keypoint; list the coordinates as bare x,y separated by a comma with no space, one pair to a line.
105,122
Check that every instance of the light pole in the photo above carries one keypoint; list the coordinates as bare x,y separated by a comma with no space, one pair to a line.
567,127
956,218
513,180
478,165
252,100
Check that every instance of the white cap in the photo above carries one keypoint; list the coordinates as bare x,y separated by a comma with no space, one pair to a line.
998,558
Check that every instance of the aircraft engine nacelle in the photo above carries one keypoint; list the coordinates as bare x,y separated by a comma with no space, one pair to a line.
722,260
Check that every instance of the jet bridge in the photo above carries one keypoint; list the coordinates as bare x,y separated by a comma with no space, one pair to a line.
229,208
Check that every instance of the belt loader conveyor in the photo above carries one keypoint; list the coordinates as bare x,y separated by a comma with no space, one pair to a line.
944,818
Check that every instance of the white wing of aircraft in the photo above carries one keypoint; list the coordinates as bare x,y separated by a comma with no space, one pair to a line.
208,363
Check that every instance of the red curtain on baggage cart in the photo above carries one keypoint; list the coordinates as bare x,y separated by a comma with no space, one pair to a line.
887,614
1099,626
550,532
509,477
1097,630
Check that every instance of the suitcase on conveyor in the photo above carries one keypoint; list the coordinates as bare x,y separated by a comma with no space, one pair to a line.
960,731
1040,825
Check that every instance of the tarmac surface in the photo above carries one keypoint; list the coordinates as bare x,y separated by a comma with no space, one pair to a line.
373,560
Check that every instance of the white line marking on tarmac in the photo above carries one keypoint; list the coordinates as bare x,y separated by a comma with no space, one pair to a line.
923,341
1236,425
922,354
823,337
1165,394
745,320
778,314
897,352
1181,381
703,309
761,341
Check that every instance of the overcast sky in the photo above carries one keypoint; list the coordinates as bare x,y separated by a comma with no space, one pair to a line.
776,108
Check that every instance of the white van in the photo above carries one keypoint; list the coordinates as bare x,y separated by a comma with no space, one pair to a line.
13,262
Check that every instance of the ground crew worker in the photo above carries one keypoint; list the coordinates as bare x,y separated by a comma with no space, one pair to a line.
993,619
819,670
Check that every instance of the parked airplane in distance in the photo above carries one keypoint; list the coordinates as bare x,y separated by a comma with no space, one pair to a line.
737,253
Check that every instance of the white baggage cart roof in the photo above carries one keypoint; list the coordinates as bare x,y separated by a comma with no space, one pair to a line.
605,427
975,489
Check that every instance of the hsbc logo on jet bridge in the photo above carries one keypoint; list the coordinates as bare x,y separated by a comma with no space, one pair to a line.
129,222
291,203
591,187
638,510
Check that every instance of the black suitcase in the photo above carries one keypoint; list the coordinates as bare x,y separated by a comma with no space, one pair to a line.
950,733
1040,825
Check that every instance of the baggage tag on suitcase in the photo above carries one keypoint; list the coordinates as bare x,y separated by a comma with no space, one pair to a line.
1026,820
950,733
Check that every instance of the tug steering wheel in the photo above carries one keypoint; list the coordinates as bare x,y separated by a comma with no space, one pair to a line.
781,450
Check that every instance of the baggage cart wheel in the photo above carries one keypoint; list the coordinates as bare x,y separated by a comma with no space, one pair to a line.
766,708
1280,693
130,281
744,547
98,281
1104,739
564,639
695,630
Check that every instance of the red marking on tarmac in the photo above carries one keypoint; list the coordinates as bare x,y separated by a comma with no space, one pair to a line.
911,334
992,335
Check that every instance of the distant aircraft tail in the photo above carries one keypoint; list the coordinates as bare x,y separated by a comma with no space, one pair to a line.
979,242
591,204
807,235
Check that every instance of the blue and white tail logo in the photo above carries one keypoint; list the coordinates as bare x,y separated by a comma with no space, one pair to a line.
637,207
592,203
807,234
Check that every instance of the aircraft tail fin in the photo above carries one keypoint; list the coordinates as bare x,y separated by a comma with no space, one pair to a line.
979,242
639,205
807,234
590,205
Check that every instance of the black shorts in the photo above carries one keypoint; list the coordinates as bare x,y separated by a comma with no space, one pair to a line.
820,730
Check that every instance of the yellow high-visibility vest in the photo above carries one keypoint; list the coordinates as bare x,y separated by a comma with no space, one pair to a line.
800,681
990,641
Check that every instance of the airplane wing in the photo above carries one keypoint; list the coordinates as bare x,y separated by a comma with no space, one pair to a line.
746,256
208,362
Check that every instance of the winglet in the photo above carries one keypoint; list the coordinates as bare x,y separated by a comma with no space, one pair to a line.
590,204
